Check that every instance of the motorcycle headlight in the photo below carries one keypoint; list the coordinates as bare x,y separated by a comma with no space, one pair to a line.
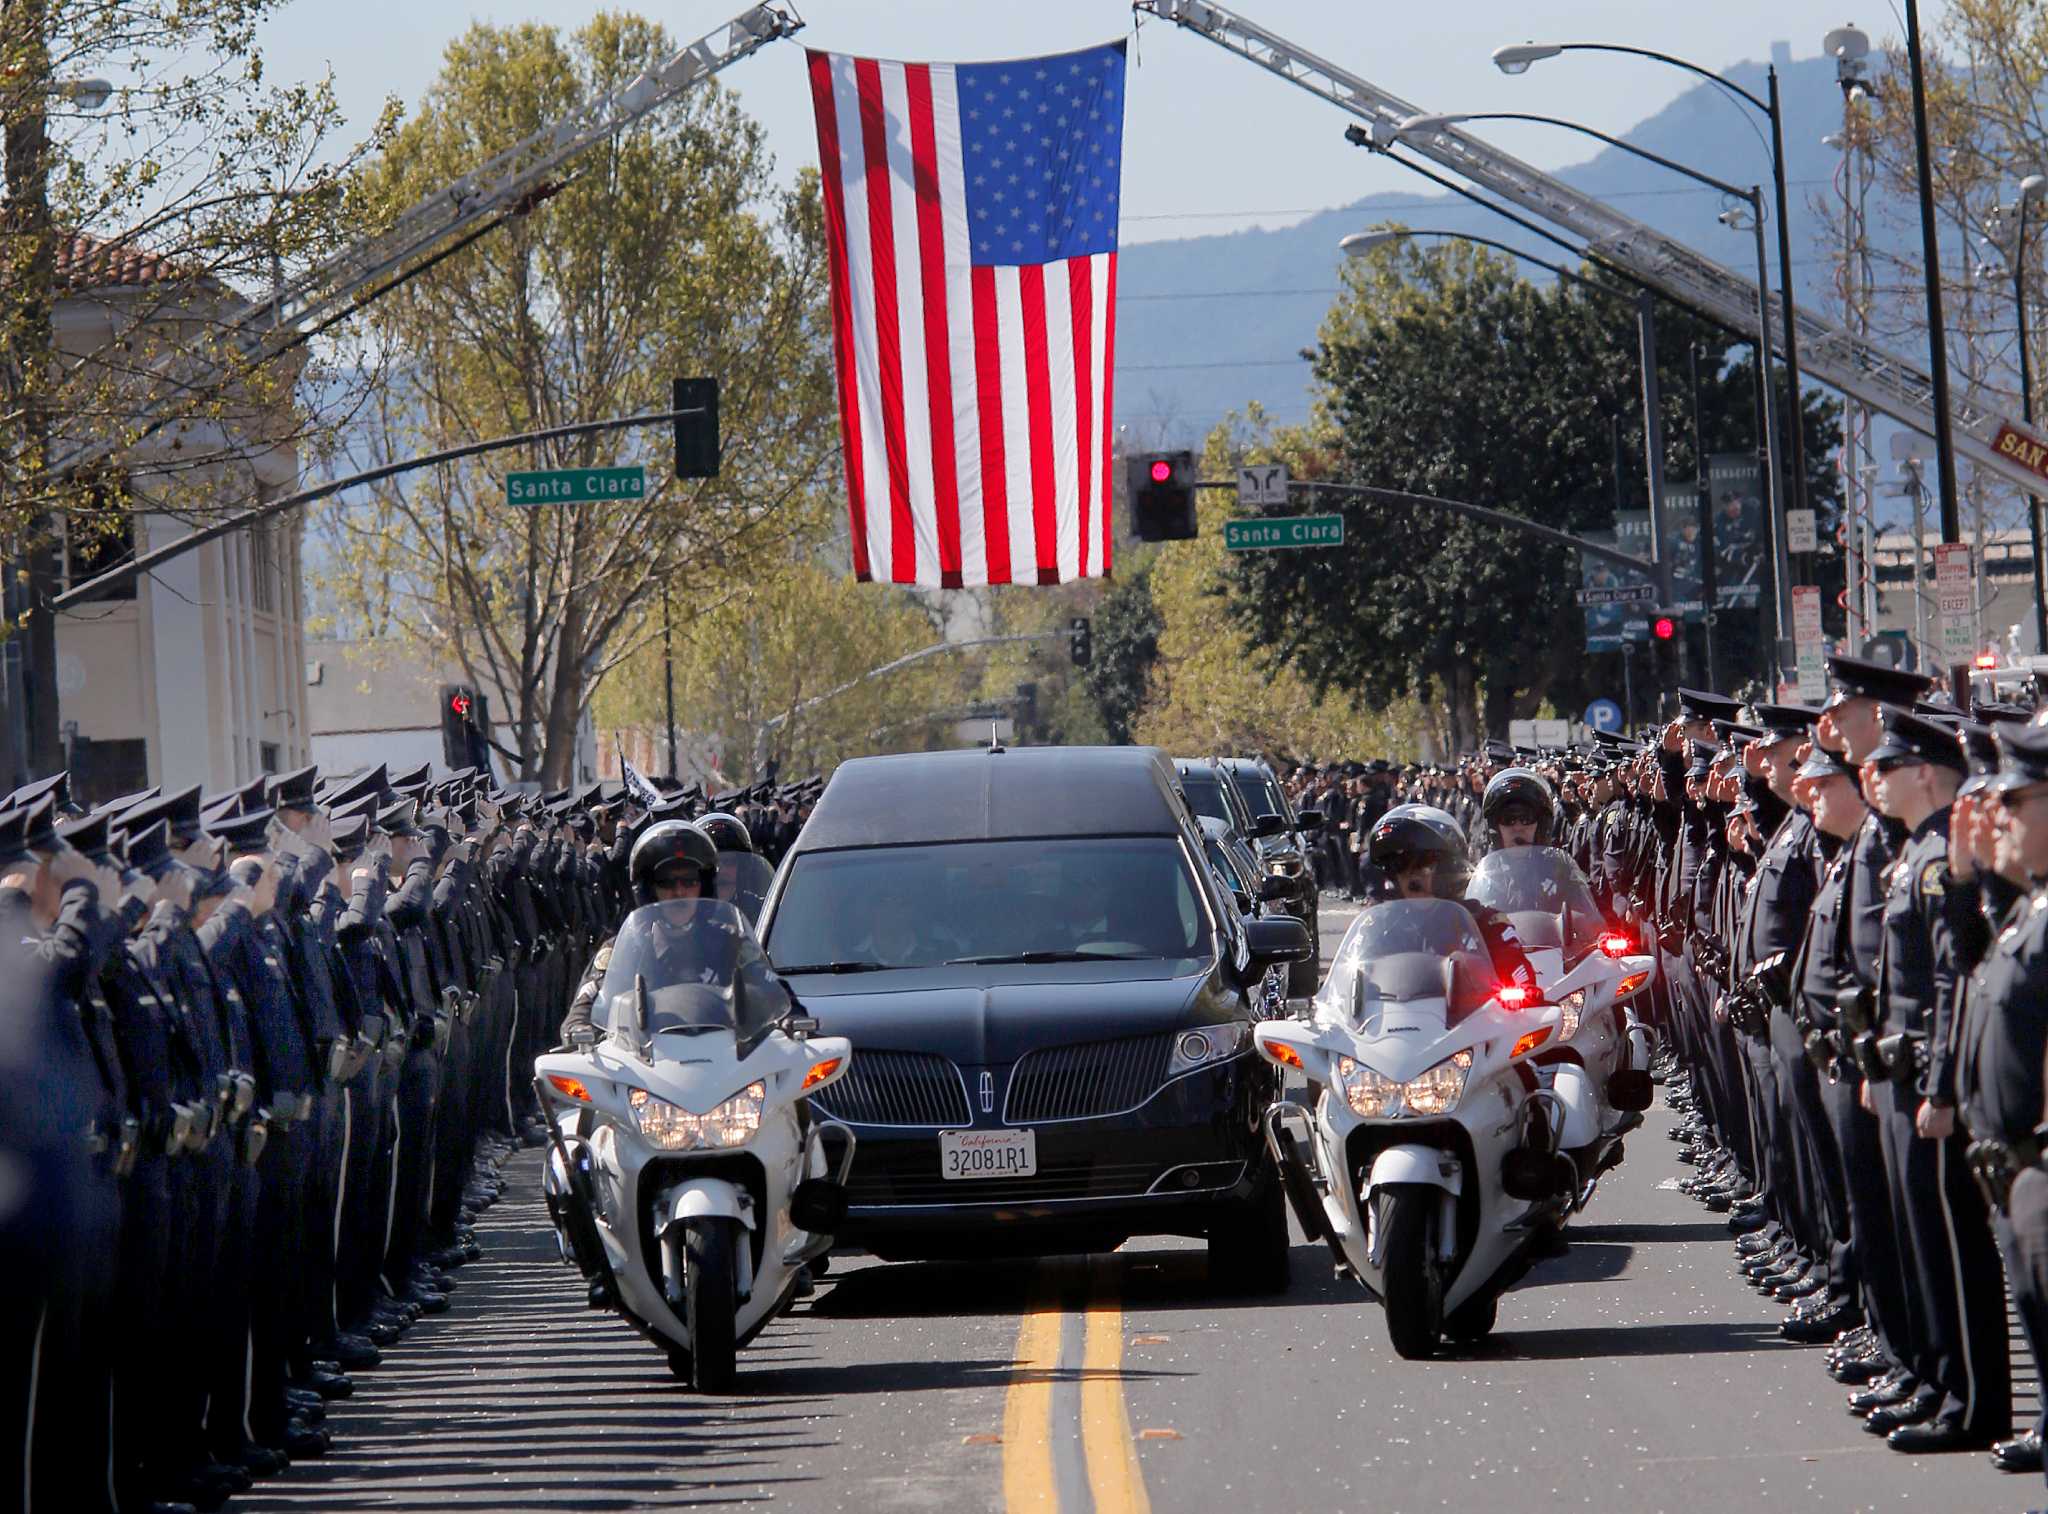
1209,1043
1438,1090
1365,1091
1569,1008
670,1127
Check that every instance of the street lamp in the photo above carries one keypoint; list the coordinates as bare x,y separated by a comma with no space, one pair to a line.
1753,197
1362,243
1844,42
89,95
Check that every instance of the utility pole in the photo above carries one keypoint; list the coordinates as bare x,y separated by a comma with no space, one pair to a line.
1930,256
668,673
28,657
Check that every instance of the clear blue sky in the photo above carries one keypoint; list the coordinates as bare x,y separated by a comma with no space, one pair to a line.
1212,142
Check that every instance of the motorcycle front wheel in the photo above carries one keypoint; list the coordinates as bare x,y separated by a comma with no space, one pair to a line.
1411,1276
711,1252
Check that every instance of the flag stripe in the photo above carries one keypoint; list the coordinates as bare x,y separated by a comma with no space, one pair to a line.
938,351
1016,425
842,304
1060,359
988,396
860,279
922,535
1107,324
1038,418
960,326
1080,300
874,130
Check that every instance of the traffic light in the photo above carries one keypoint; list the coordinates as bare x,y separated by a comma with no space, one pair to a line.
458,720
1663,626
696,435
1162,491
1665,629
1079,646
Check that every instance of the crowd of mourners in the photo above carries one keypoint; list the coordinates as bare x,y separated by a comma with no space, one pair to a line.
264,1052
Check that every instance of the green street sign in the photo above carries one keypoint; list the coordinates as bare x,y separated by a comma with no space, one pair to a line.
575,486
1260,535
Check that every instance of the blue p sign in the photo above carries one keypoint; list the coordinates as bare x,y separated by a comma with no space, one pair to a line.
1603,715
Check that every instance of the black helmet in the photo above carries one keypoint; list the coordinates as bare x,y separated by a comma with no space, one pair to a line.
1517,796
1409,832
728,832
671,844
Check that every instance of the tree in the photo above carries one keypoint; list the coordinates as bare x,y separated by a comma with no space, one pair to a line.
202,183
1442,372
668,253
1126,627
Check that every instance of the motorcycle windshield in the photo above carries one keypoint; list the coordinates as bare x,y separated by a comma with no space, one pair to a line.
1542,890
695,966
1408,950
743,879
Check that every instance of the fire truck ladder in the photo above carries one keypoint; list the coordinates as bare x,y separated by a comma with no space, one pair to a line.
1882,380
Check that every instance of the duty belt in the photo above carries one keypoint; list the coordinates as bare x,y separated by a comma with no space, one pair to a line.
1996,1164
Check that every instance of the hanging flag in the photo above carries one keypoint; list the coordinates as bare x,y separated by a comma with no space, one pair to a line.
638,789
970,214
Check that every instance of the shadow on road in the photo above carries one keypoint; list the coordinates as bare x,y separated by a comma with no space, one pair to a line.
1707,1231
1637,1340
1588,1261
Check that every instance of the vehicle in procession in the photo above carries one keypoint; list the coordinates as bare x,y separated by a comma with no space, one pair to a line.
687,1178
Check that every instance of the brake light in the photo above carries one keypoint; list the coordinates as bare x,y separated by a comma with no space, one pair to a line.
569,1087
1281,1052
1515,996
1529,1041
820,1071
1631,983
1617,943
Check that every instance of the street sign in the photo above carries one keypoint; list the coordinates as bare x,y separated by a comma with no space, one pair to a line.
1811,647
575,486
1603,715
1285,531
1620,594
1801,533
1553,734
1955,598
1262,486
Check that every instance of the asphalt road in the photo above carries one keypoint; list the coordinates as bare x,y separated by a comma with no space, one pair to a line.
1634,1373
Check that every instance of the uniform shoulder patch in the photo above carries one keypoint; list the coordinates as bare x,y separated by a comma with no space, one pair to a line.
602,958
1934,878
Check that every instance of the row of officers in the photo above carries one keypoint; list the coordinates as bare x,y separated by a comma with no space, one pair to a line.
1850,908
264,1053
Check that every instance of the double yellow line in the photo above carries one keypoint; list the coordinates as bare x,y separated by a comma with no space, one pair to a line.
1031,1463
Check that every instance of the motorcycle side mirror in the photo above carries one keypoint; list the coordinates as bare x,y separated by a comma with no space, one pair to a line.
584,1038
799,1026
629,1021
1267,824
1301,1009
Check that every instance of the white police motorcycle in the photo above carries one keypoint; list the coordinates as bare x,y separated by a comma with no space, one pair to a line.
688,1180
1426,1116
1597,1066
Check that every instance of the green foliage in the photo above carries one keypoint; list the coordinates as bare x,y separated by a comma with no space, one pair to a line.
1126,628
668,252
1444,373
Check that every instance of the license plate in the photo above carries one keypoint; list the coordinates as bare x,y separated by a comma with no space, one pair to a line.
988,1153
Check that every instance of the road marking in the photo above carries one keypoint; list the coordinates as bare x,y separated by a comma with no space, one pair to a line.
1027,1414
1067,1442
1114,1478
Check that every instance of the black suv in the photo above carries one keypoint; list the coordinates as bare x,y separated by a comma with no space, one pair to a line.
1243,792
1050,1000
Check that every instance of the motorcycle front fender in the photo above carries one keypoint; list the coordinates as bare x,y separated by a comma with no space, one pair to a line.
1416,1164
704,1198
1580,1101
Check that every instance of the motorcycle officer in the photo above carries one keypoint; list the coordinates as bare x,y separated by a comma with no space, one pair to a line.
1422,853
1519,808
671,860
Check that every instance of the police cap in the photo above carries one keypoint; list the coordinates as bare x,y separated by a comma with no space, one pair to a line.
147,848
1785,720
1703,704
2022,756
294,790
347,790
1980,755
243,833
1854,678
179,811
88,837
1910,738
1822,763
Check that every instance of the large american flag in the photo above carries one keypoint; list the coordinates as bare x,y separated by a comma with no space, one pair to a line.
971,212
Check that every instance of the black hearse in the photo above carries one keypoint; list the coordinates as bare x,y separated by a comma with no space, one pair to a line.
1049,1006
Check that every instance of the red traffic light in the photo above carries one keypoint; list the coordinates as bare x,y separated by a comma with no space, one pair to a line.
1162,470
459,704
1663,627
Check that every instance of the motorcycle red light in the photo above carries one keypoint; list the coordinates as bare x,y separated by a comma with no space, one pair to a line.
1514,996
1616,943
